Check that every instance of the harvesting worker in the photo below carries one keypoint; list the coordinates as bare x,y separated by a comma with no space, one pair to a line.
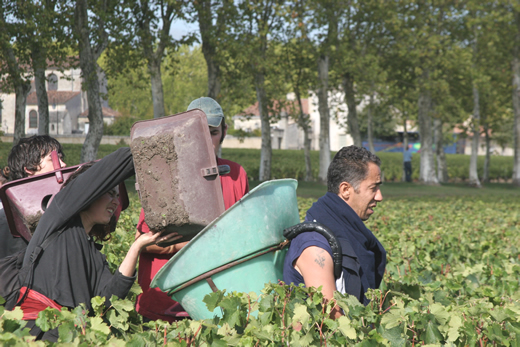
29,157
153,304
353,181
72,270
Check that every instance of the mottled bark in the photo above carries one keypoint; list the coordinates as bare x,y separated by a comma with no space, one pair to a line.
352,118
89,69
21,91
266,149
154,67
442,168
43,100
487,159
405,145
473,174
15,79
153,45
303,122
515,65
209,47
427,166
323,107
370,131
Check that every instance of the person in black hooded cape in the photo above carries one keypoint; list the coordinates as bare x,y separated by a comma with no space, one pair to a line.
72,270
353,181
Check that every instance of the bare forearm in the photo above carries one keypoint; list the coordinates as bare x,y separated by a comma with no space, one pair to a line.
127,267
165,250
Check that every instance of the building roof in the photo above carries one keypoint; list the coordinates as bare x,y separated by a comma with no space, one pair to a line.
54,96
291,107
107,112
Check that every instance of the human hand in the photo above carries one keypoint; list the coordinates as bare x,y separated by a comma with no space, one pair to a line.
147,239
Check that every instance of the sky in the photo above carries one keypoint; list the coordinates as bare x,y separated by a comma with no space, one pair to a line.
180,28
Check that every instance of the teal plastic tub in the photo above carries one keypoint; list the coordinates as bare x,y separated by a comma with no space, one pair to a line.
239,251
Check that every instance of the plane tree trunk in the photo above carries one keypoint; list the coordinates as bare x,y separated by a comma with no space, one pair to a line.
427,166
154,67
442,168
266,150
323,107
515,65
473,173
352,118
487,159
88,56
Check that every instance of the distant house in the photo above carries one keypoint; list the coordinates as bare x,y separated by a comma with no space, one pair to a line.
67,104
285,133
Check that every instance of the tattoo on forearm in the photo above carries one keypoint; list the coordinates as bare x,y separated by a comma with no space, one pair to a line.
320,260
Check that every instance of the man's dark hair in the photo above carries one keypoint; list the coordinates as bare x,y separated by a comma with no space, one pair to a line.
28,154
350,165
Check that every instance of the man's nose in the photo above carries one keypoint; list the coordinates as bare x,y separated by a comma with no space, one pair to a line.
379,196
62,163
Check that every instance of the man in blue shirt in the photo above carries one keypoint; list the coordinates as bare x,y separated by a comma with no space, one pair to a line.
353,181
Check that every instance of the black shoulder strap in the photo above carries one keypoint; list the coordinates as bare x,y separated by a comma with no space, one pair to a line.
295,230
39,249
35,256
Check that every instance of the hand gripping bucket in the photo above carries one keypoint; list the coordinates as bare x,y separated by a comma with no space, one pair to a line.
26,199
176,173
239,251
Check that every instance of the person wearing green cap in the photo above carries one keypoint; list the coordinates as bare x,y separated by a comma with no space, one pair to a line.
153,304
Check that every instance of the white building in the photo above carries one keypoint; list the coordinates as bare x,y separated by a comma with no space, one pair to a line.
285,133
68,105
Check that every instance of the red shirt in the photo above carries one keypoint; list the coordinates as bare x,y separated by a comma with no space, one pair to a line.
153,303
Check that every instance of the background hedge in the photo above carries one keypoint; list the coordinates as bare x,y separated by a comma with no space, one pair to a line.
291,163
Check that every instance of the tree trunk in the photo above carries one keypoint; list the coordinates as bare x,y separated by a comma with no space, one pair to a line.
89,71
352,119
323,107
266,149
370,132
207,35
427,168
405,146
39,64
442,168
487,160
473,174
154,67
516,112
43,101
304,124
21,90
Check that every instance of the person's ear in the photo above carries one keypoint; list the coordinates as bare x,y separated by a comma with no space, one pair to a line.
29,172
345,189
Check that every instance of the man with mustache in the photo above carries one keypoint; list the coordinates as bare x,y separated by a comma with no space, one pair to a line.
353,182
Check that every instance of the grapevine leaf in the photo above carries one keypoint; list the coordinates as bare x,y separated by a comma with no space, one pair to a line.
16,314
393,335
97,324
346,328
122,305
440,313
432,334
453,331
213,299
300,314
